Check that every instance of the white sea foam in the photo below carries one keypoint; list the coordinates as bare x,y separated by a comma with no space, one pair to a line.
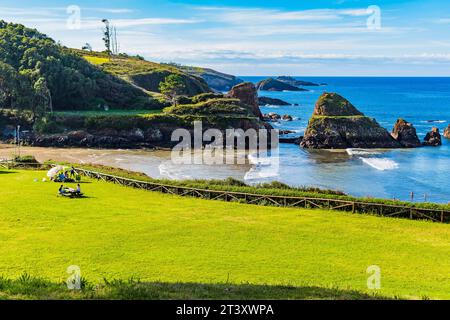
263,167
261,173
434,121
173,172
272,106
381,164
361,152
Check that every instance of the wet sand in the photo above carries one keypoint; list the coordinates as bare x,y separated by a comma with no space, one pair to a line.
154,163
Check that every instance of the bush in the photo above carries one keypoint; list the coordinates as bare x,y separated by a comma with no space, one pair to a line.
25,159
47,125
206,96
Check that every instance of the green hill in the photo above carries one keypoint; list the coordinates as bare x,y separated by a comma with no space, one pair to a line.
34,67
144,74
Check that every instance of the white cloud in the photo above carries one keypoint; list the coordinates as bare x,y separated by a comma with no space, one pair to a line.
246,16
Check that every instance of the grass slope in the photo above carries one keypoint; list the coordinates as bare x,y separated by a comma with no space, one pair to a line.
122,233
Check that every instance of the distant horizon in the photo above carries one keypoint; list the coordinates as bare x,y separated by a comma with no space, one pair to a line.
386,38
320,76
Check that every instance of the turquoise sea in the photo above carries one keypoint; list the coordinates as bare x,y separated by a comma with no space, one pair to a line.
377,173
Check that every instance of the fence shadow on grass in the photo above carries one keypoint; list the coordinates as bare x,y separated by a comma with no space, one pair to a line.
36,289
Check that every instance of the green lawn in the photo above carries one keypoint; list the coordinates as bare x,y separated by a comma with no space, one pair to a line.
191,248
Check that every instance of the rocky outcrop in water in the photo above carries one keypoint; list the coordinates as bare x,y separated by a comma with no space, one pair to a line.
247,94
337,124
272,84
447,132
433,138
264,101
271,117
405,133
297,83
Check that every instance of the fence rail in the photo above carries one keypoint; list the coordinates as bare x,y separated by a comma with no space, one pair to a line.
380,209
361,207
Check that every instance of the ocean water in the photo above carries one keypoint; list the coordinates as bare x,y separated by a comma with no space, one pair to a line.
376,173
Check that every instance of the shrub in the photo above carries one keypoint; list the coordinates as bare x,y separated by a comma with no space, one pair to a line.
206,96
25,159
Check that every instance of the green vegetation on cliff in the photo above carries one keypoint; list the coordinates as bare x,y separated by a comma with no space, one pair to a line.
40,75
144,74
73,83
216,107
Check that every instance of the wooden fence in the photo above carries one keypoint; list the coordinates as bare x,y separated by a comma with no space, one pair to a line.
380,209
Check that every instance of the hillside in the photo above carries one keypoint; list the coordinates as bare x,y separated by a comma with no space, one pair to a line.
144,74
209,249
218,81
35,69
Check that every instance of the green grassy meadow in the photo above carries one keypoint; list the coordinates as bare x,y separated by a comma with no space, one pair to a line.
178,247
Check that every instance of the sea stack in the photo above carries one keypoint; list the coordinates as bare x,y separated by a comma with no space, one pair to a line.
433,138
246,92
337,124
405,133
447,132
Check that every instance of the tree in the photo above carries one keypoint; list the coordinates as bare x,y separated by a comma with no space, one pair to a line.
107,35
87,47
43,99
9,85
110,38
172,87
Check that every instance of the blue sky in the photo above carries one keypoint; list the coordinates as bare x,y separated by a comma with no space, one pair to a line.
303,37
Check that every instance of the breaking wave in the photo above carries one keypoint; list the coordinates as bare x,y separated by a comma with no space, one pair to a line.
381,164
361,152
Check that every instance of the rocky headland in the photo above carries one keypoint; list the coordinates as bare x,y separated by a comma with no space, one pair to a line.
265,101
216,80
297,83
272,84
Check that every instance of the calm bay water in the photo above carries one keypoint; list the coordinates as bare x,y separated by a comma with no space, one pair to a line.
391,174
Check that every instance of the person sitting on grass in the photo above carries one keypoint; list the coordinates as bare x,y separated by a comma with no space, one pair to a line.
62,190
78,188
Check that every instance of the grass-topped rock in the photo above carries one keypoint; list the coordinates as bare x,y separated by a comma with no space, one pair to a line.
337,124
215,107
